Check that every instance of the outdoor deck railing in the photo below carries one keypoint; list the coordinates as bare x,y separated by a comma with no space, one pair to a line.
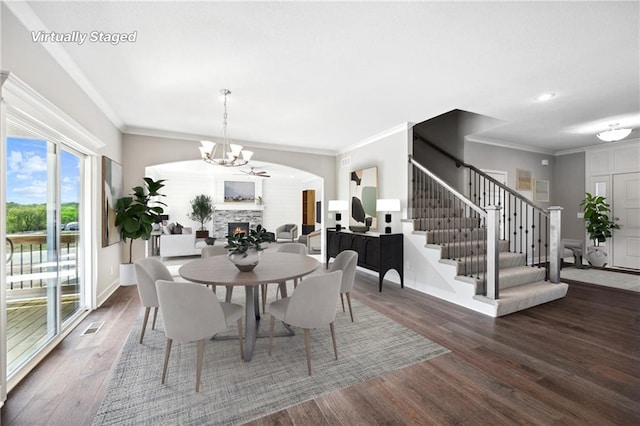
28,266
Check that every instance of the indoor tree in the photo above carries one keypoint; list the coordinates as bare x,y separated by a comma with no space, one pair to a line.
201,210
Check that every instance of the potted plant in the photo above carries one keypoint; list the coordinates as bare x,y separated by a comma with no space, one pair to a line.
599,227
202,211
245,249
135,216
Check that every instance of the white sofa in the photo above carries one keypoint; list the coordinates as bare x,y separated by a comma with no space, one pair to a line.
180,244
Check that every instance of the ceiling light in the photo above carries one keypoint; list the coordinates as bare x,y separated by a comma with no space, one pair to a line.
545,97
231,155
615,133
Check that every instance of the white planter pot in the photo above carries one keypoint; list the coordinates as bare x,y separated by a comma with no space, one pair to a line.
597,256
127,274
246,262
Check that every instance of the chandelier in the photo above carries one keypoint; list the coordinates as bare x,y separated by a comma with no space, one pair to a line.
615,133
230,154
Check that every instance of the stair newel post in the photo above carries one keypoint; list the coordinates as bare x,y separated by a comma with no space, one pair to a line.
555,217
493,251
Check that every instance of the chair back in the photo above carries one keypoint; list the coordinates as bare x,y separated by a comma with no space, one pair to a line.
148,271
214,250
189,311
314,302
297,248
346,262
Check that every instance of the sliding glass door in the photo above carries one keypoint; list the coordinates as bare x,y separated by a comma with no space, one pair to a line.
44,234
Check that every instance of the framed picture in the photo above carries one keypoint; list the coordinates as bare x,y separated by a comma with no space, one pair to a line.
239,192
540,190
111,192
523,180
363,192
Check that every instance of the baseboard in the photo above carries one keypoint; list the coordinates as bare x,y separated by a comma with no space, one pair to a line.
102,297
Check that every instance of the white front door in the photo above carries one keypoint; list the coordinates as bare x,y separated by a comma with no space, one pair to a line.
626,207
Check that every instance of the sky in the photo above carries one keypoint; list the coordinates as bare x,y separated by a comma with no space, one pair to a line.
27,168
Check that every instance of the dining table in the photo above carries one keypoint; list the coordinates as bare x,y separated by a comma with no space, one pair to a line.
274,267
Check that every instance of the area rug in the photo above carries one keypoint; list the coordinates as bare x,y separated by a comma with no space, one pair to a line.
233,391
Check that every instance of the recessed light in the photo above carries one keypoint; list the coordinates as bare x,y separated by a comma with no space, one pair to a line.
545,97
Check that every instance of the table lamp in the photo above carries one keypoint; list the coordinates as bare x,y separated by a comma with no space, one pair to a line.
338,206
387,205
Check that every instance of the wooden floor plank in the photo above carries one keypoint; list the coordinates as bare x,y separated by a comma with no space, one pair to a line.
572,361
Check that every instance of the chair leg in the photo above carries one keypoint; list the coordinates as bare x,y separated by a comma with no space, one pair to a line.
349,303
240,337
263,287
307,346
144,323
273,323
333,337
199,358
342,300
167,352
155,315
227,296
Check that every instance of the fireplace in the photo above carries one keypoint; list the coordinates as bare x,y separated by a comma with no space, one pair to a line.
237,227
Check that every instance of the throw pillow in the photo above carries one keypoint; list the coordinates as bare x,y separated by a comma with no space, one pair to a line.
169,228
177,229
287,228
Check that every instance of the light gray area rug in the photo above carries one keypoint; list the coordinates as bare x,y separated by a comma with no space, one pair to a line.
233,391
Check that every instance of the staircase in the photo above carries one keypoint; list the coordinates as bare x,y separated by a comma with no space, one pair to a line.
494,239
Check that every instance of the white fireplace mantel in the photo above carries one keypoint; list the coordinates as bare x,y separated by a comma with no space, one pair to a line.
239,206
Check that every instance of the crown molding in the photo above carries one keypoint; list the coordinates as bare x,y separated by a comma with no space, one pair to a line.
392,131
503,144
602,146
32,22
167,134
34,113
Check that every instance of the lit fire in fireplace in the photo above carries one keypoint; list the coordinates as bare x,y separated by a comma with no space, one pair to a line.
238,230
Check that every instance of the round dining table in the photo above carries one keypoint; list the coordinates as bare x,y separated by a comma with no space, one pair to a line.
274,267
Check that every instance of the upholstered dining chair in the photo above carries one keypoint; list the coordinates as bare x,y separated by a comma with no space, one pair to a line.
312,304
148,271
192,313
346,262
218,250
297,248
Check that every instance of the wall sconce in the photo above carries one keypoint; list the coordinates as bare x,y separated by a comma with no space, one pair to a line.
338,206
387,205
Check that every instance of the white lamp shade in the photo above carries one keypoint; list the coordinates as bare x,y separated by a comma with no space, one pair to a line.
338,206
207,146
387,205
203,151
235,149
246,155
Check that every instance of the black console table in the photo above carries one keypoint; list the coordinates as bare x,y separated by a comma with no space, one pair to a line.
376,252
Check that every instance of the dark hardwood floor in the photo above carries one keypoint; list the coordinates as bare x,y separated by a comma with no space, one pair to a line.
572,361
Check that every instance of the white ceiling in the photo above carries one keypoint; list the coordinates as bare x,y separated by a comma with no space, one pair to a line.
324,76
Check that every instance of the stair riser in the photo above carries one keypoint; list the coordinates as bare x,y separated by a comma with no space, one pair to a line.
420,201
443,236
450,251
476,265
536,274
436,213
439,224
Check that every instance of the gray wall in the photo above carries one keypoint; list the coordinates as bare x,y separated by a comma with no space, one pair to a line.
568,191
492,157
448,132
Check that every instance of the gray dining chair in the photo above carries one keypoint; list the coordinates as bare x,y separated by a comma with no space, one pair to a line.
296,248
346,262
218,250
148,271
313,304
193,313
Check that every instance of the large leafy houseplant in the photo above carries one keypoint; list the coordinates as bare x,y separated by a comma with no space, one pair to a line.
136,214
240,243
201,210
596,214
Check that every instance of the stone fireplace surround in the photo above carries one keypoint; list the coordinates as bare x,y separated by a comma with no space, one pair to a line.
221,219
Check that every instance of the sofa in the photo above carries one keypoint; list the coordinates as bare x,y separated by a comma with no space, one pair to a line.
183,244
